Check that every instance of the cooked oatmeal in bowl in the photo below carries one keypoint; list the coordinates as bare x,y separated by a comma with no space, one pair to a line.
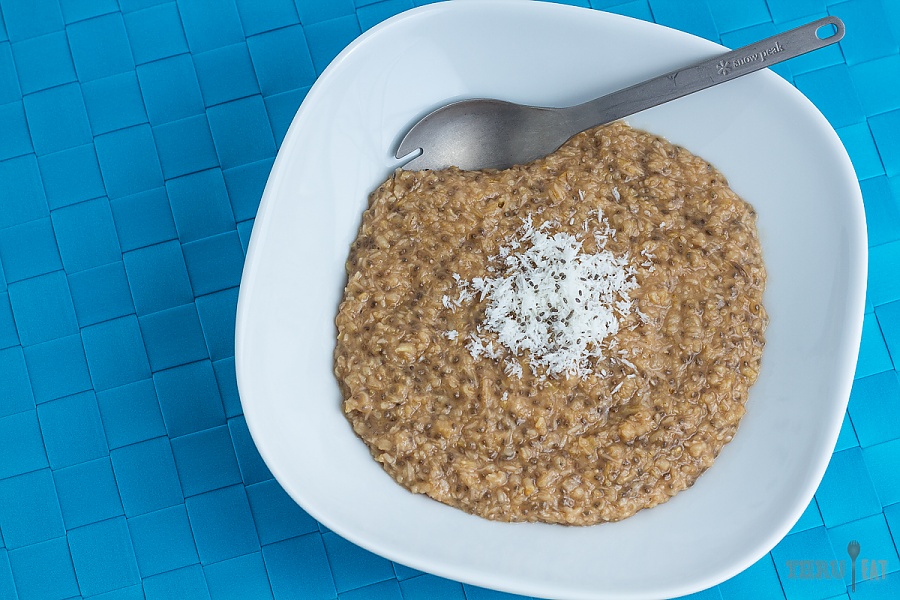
568,341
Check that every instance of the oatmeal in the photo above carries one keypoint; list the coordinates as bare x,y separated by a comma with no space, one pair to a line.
465,404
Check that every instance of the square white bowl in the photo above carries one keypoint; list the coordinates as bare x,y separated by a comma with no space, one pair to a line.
775,148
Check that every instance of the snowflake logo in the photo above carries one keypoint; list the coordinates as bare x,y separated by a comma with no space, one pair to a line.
723,67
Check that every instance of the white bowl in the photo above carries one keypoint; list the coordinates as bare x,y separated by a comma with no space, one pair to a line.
777,151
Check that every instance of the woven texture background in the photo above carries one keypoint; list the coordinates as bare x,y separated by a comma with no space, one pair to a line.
135,141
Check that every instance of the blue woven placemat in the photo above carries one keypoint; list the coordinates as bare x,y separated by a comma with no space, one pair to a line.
135,141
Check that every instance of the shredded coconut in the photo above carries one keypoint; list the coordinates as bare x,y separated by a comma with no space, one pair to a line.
553,303
630,365
513,368
465,294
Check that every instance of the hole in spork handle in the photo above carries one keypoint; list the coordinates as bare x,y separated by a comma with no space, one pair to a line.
826,31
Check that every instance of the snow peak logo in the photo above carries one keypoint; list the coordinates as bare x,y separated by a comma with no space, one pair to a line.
724,67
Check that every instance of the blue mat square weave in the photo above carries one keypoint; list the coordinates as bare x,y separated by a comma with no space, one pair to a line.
103,555
20,179
115,352
17,393
42,570
163,540
143,219
43,62
100,47
88,493
18,140
21,442
155,33
131,414
81,10
136,137
114,103
185,146
9,82
150,460
226,74
58,369
29,250
30,506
